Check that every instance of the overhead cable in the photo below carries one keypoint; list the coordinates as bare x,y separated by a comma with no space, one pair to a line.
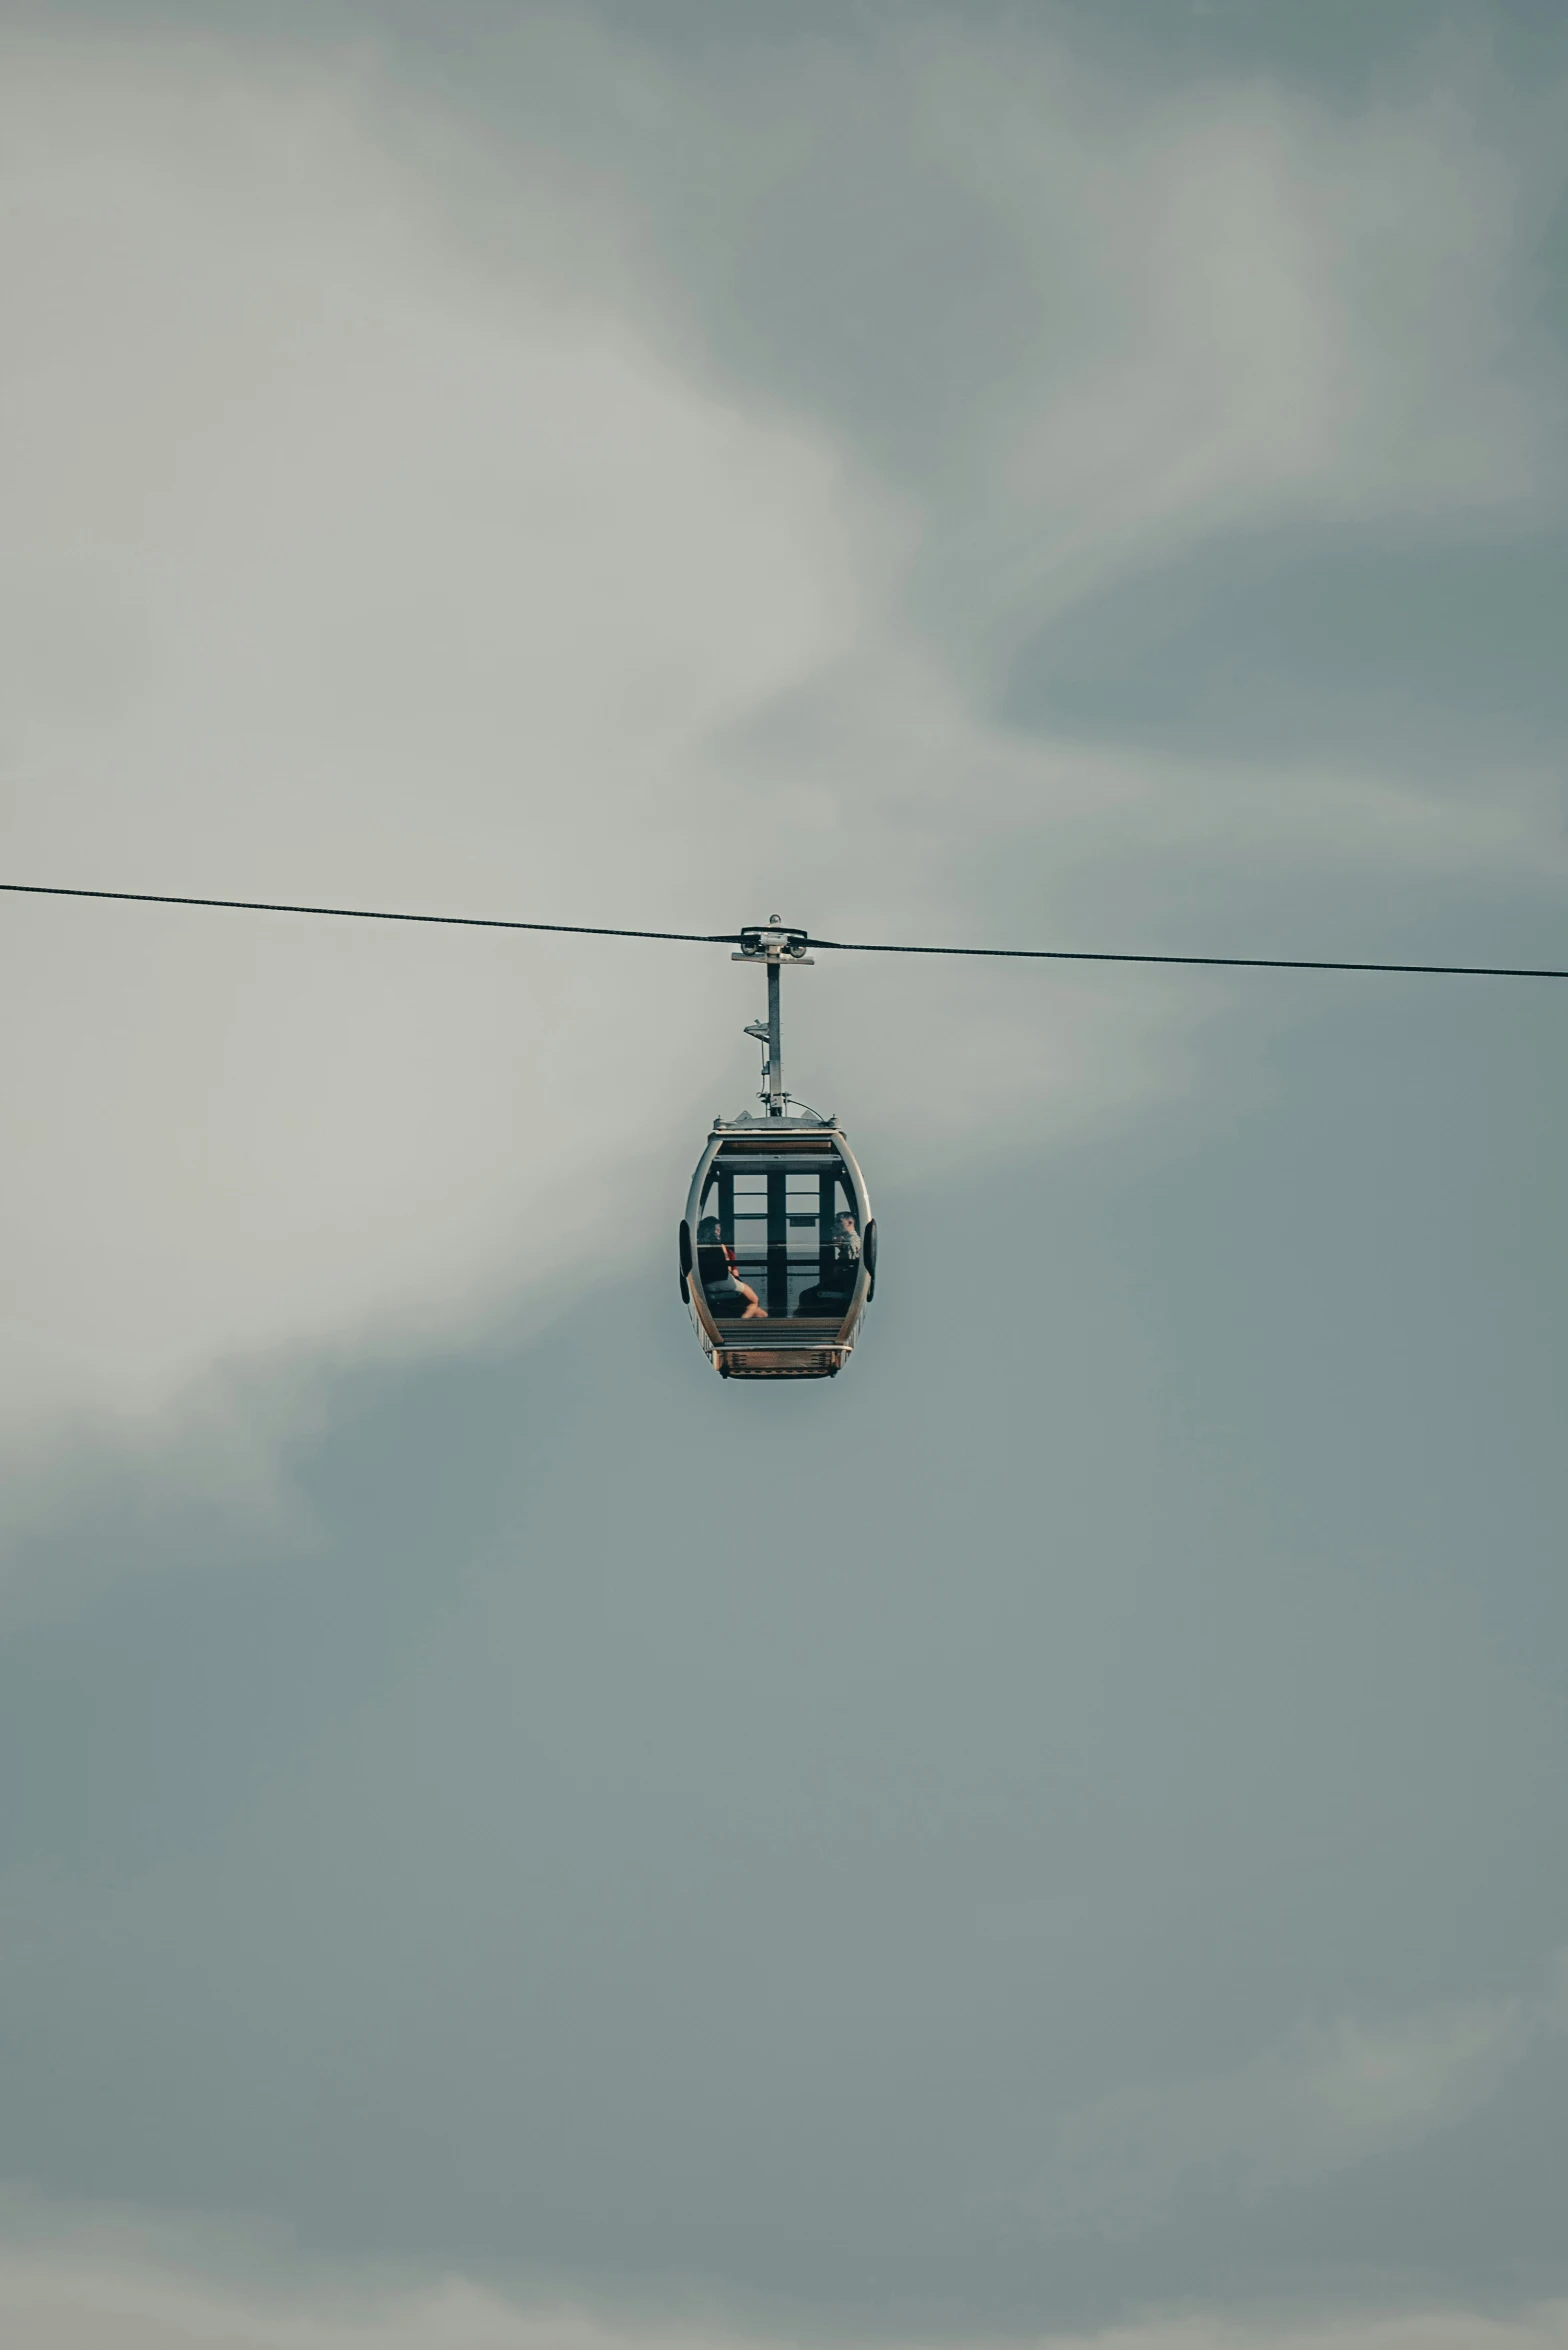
149,897
858,946
843,946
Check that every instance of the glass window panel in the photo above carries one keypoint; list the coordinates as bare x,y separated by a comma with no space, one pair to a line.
814,1263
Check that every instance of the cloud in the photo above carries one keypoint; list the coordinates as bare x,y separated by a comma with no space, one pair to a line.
337,569
1304,312
382,530
412,505
1325,2098
84,2287
1101,315
344,565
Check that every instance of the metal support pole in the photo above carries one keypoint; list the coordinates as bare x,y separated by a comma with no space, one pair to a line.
773,945
775,1044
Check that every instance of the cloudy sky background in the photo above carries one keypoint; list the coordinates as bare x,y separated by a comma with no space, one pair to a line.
1059,1834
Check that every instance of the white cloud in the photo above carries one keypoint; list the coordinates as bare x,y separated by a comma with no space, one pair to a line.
87,2289
342,566
350,557
1541,2328
1326,2097
337,570
1251,306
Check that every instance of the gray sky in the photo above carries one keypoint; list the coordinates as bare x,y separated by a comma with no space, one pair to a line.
509,1844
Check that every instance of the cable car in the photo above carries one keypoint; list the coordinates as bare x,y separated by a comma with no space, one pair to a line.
778,1246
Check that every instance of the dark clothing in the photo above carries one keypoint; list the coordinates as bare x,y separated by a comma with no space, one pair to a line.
716,1269
829,1297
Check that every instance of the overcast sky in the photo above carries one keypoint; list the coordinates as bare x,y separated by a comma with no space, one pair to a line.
506,1842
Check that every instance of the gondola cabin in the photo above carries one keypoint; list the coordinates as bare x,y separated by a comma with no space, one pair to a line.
778,1248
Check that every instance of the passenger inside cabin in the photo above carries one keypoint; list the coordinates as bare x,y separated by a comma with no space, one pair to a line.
716,1266
831,1293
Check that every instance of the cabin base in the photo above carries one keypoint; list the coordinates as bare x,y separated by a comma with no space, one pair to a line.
783,1362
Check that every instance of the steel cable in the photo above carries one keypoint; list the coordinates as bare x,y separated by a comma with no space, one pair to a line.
842,946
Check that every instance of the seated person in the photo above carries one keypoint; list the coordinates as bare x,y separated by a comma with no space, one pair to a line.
835,1285
716,1266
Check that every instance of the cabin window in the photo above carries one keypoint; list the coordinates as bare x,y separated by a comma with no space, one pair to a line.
795,1237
